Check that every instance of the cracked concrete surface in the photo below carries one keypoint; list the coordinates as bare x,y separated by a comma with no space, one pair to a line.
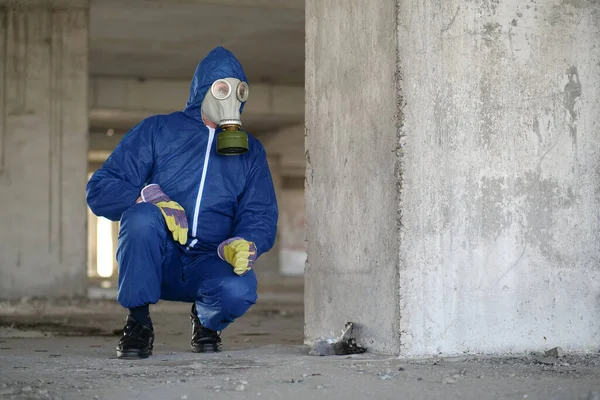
66,350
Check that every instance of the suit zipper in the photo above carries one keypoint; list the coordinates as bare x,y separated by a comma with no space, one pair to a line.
211,136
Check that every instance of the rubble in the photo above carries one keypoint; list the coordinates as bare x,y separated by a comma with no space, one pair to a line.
555,352
341,345
546,360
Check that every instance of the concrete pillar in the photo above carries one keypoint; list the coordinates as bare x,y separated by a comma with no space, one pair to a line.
43,147
453,156
267,266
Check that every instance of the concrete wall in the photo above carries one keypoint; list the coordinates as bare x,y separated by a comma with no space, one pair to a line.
493,244
267,266
501,191
351,136
43,146
292,223
289,144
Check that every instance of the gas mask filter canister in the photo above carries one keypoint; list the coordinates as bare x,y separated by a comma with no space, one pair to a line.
222,105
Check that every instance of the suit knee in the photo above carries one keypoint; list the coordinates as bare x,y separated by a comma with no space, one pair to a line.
141,218
142,236
238,295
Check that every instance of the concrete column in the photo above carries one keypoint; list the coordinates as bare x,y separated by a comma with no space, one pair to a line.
351,141
43,147
453,156
267,266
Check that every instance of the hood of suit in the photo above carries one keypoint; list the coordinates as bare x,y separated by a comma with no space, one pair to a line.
219,63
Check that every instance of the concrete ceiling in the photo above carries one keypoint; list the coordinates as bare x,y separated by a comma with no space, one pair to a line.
166,39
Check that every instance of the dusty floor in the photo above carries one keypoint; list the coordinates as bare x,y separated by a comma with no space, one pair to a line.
66,350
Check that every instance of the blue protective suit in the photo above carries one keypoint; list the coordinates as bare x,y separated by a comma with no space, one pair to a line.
224,197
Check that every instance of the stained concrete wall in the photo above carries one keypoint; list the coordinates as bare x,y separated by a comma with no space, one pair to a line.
501,189
43,147
492,244
351,137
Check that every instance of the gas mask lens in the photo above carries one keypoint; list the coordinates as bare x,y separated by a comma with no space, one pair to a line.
221,89
242,91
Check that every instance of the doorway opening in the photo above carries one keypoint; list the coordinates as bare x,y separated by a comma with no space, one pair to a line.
102,264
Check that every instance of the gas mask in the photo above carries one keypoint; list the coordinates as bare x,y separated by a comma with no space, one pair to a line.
222,106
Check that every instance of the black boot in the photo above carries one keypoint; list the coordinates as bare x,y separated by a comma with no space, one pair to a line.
204,340
136,341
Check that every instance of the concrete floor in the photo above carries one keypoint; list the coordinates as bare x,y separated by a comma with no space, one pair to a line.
66,350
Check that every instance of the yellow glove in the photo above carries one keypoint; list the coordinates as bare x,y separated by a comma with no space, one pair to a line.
173,213
176,220
240,253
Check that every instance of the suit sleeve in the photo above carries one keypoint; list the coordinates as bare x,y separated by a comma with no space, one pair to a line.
256,220
116,185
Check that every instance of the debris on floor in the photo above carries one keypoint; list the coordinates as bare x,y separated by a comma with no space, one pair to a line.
342,345
546,360
555,352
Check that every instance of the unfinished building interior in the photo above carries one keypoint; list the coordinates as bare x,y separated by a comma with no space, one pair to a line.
437,171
